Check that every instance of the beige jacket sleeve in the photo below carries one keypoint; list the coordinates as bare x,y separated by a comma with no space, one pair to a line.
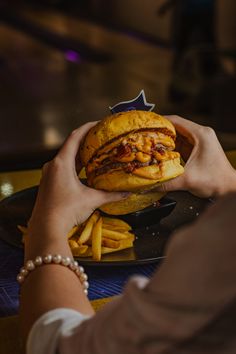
184,306
187,307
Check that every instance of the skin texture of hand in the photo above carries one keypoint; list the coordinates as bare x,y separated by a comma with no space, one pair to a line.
62,199
62,202
208,172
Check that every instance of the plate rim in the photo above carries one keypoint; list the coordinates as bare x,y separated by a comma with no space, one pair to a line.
88,261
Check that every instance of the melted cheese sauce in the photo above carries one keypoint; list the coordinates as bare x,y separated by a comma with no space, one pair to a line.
142,143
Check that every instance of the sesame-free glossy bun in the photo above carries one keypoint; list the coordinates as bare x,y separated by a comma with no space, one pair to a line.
132,203
110,132
118,124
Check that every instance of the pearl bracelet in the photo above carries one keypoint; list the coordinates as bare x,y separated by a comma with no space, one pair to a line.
54,259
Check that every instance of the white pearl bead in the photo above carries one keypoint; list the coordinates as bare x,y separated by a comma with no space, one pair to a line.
85,285
24,272
78,272
66,261
38,261
56,258
20,278
81,269
30,265
83,277
47,259
72,266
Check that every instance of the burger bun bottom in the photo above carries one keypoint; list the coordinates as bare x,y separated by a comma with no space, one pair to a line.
144,179
134,202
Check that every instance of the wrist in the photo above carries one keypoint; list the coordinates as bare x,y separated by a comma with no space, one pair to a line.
46,236
52,227
43,243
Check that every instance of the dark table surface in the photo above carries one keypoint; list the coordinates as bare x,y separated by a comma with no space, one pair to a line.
104,281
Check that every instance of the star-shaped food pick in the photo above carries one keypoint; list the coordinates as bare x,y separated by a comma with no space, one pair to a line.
138,103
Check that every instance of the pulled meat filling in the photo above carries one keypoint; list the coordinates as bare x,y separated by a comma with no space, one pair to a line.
137,137
134,150
127,167
127,158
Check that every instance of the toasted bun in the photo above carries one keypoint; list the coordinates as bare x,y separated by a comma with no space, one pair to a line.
148,177
110,132
121,123
131,204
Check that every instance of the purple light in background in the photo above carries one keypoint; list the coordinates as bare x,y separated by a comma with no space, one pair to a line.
73,56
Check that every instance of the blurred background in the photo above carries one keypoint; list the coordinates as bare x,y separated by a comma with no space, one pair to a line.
64,62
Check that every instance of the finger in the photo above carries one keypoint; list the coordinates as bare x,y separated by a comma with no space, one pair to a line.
45,168
108,197
185,127
71,145
183,146
99,198
175,184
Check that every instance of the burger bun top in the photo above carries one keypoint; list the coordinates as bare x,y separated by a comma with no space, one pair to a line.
118,124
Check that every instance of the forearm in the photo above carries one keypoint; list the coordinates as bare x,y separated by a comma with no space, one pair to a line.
49,286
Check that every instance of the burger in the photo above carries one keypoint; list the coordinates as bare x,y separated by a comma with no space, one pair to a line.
131,151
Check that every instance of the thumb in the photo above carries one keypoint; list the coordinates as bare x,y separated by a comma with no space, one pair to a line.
108,197
174,184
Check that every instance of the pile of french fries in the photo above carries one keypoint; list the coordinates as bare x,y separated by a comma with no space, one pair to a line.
97,236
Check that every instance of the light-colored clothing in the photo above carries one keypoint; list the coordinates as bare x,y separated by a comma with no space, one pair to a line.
50,327
189,306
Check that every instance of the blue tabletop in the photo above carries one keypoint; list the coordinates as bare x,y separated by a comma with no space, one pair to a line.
104,281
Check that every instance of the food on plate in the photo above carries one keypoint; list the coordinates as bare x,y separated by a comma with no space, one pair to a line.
97,236
133,203
88,228
131,151
97,240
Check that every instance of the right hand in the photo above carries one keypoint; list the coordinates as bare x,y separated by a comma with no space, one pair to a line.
62,200
208,172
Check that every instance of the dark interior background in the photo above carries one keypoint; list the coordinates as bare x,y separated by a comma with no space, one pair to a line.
64,62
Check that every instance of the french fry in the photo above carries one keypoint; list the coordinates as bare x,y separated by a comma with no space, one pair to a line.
130,237
128,243
73,244
116,223
107,242
87,253
100,235
114,228
73,231
80,251
97,240
76,249
87,231
115,235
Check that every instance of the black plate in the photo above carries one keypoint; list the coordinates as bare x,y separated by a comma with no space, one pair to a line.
148,216
150,240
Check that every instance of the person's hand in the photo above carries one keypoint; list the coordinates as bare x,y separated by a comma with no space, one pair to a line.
208,172
62,200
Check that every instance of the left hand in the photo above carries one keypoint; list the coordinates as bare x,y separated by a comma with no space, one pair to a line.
62,199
